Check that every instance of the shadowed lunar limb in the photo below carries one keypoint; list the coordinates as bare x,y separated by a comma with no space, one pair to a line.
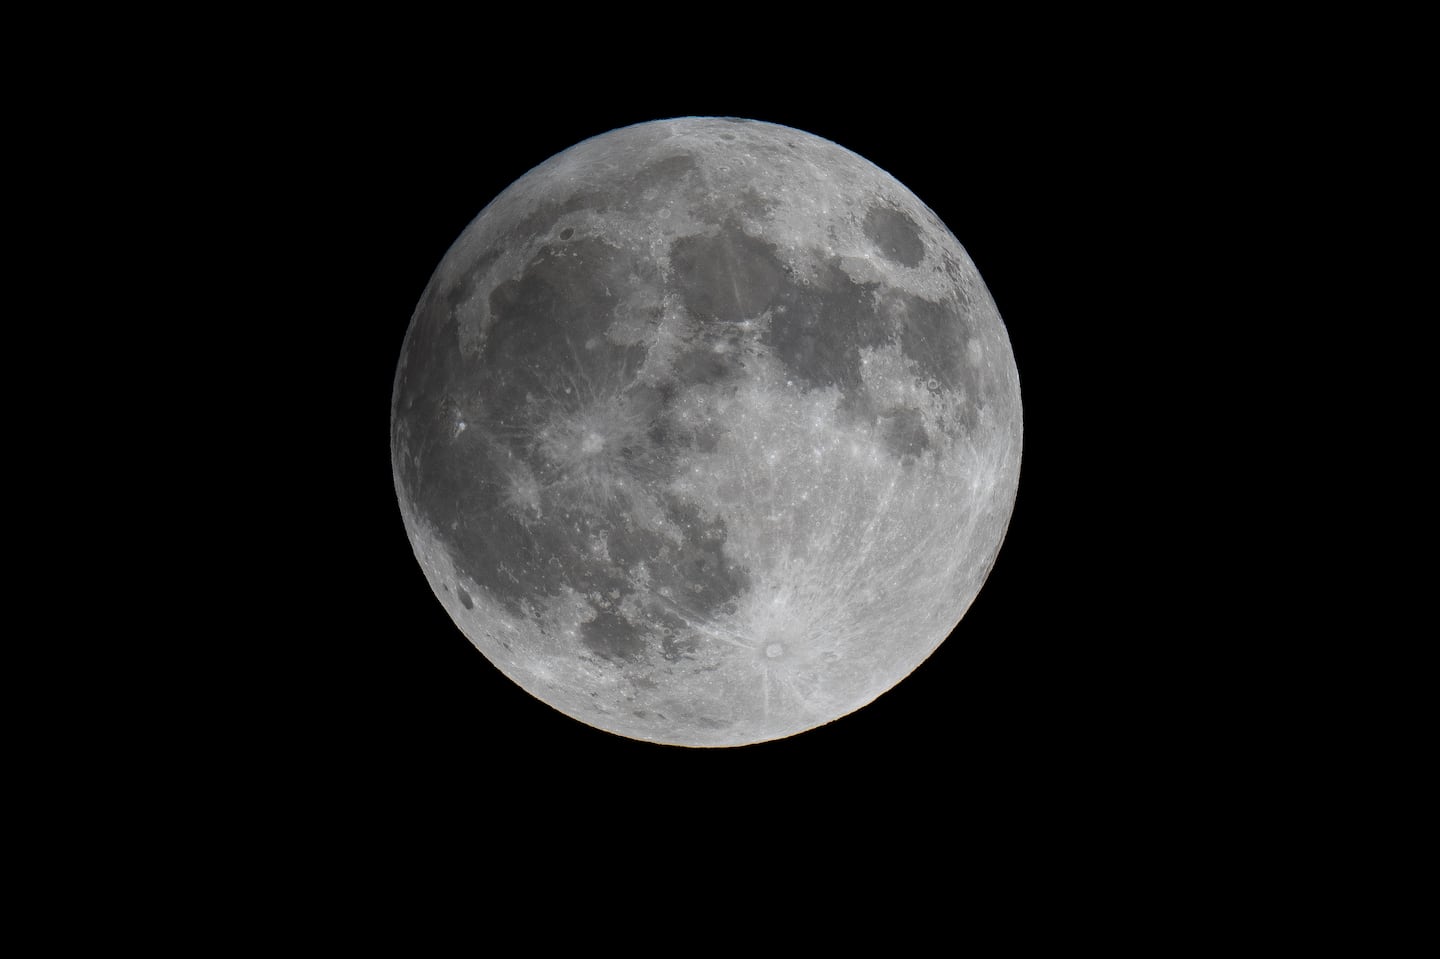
706,432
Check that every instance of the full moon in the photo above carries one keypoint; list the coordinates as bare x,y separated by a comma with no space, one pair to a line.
706,432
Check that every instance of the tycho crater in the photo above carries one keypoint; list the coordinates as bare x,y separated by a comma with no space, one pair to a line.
706,432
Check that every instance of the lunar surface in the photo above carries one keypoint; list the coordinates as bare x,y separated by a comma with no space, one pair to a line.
706,432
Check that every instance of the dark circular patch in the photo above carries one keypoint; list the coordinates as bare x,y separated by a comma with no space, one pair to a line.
896,235
728,277
903,433
612,637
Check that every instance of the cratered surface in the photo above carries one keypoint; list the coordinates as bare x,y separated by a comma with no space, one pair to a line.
706,432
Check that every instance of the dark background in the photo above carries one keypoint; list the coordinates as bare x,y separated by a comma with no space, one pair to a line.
1057,694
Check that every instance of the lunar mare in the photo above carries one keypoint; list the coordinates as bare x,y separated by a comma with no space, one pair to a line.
706,432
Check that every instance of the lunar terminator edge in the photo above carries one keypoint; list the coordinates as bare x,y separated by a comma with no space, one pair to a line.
706,432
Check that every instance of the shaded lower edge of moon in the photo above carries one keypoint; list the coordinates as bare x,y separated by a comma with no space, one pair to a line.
792,653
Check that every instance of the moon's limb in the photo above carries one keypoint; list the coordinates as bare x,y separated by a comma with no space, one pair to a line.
706,432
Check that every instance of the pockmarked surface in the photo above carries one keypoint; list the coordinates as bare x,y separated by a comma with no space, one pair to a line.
706,432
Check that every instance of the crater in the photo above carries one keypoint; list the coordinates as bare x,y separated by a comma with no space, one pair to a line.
896,236
673,649
932,335
710,361
818,329
612,637
663,173
902,431
729,277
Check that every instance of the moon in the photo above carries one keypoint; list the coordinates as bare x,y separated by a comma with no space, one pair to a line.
706,432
